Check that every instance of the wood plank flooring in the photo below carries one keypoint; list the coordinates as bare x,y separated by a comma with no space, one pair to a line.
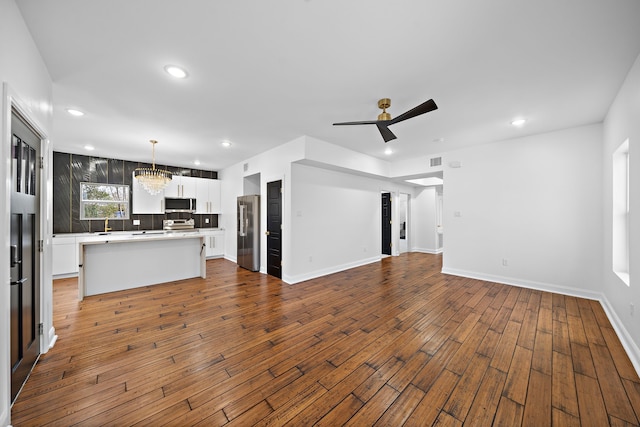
388,344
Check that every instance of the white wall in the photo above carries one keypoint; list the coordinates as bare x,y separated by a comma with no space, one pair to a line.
307,190
535,202
622,122
28,84
272,165
423,221
335,222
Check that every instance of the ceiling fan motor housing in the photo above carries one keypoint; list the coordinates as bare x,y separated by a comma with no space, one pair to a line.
383,104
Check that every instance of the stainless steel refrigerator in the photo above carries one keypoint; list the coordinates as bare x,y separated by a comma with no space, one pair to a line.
249,232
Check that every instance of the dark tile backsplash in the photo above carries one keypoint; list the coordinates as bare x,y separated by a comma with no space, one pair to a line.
69,170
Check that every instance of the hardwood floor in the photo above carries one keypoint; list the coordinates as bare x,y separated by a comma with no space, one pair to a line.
388,344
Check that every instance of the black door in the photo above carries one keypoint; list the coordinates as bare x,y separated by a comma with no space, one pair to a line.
274,228
386,223
24,260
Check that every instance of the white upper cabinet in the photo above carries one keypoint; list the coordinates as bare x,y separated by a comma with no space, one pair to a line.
208,196
143,202
182,187
205,191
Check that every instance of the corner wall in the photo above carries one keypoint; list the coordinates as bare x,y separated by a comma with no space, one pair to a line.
531,203
27,80
622,122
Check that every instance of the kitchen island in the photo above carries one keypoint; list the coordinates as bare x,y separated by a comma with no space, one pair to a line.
116,262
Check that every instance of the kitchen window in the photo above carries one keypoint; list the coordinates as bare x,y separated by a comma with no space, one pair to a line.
102,201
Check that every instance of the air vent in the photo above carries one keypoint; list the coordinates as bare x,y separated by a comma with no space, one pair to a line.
436,161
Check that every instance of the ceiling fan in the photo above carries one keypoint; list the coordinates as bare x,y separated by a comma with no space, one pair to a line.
385,120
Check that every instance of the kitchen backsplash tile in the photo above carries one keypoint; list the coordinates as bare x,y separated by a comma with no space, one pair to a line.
69,170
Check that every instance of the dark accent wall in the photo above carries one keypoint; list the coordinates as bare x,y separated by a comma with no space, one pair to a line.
69,170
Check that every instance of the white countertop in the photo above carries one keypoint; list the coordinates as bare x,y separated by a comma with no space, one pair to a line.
120,235
137,236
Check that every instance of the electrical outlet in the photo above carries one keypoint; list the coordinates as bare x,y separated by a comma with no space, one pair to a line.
136,222
206,220
505,263
310,258
632,308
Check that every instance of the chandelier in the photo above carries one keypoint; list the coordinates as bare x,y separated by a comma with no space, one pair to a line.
153,180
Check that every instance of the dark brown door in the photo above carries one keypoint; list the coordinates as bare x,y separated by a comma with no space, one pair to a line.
386,223
24,260
274,228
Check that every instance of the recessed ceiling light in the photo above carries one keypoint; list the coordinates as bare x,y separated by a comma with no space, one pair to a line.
388,151
226,144
518,122
196,162
175,71
89,147
74,112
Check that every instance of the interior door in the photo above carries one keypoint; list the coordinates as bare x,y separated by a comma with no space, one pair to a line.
386,223
274,228
24,260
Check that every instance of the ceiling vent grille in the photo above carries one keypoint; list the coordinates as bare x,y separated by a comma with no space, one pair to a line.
436,161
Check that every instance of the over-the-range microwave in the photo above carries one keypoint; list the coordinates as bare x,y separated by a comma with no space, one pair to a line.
175,204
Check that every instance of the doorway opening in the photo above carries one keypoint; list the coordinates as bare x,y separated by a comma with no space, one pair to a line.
403,219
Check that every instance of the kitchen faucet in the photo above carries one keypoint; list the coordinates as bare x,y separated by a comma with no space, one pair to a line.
106,225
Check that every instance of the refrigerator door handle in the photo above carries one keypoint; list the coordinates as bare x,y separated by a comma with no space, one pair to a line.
242,229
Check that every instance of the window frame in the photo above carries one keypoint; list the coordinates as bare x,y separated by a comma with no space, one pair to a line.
621,212
119,188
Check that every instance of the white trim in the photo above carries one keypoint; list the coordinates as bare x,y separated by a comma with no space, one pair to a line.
631,348
540,286
292,280
5,293
52,338
427,251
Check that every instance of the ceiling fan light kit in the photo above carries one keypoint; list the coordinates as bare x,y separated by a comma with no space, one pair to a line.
385,120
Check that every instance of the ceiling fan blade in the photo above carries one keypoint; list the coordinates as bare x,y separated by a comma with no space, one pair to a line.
386,133
369,122
425,107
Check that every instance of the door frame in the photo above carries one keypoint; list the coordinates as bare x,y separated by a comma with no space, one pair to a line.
263,223
11,101
408,221
267,222
395,227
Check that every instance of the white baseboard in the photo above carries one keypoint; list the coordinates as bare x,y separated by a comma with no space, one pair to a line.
427,251
540,286
52,338
64,276
325,271
632,349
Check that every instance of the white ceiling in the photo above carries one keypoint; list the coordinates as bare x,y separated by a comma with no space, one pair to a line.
262,73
